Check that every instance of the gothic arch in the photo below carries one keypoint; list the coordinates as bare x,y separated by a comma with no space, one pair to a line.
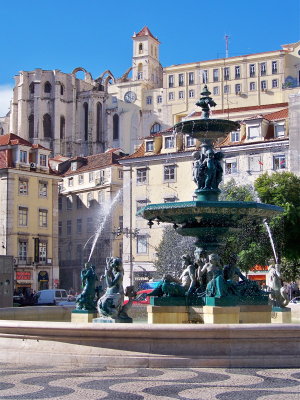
115,127
47,126
31,126
105,78
87,75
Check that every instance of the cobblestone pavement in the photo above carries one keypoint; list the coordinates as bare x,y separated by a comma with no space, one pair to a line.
72,383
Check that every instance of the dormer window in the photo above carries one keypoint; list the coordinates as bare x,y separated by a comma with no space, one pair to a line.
235,137
169,142
73,166
23,156
149,146
190,141
155,128
253,132
43,160
279,130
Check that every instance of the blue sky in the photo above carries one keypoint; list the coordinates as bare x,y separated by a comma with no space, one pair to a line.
96,35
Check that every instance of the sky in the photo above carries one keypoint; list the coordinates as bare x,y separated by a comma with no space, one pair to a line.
96,34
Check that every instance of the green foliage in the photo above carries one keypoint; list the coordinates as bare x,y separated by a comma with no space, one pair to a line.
169,251
232,192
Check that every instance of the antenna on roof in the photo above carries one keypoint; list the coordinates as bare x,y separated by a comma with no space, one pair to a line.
226,37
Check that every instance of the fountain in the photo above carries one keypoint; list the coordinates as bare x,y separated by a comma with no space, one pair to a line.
208,220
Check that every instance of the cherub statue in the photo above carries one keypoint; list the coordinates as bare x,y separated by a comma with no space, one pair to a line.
86,299
277,295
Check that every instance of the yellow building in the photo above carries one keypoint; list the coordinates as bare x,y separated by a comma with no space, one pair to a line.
161,171
90,201
29,213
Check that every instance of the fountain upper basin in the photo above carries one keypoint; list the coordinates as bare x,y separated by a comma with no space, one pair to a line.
206,128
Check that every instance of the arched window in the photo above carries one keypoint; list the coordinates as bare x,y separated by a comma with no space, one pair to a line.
140,48
86,120
116,127
99,122
47,126
31,126
140,71
62,127
155,128
1,131
31,88
61,89
47,87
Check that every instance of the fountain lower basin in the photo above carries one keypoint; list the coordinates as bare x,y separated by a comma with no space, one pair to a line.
203,129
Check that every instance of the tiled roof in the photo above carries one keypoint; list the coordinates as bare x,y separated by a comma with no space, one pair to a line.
145,32
12,139
281,114
239,109
140,152
93,162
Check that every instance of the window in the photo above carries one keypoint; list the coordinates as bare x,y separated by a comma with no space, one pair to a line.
181,94
216,90
69,202
47,87
190,141
204,74
60,228
60,201
181,80
23,250
85,120
141,204
116,127
230,167
61,89
140,48
237,70
171,81
23,156
226,73
73,166
120,173
80,179
43,252
79,201
279,162
62,127
237,88
263,68
91,176
253,132
279,130
31,126
159,99
263,85
43,189
255,163
121,222
90,198
141,244
226,89
23,216
149,145
252,86
235,136
47,126
169,173
141,175
43,218
31,88
69,227
90,225
140,71
252,70
191,78
155,128
99,122
216,75
191,93
79,225
171,95
70,181
274,67
274,83
79,253
169,142
101,197
149,100
170,199
43,160
23,186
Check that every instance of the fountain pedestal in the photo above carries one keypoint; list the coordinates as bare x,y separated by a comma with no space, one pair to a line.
175,314
281,315
83,316
221,315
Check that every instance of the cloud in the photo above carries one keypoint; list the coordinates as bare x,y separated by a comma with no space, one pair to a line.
6,94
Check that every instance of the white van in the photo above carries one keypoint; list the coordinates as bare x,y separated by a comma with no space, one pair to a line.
51,296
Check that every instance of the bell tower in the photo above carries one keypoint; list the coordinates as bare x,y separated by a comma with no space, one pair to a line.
145,61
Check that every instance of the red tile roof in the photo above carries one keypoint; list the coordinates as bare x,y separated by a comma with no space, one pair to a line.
140,152
239,109
145,32
281,114
12,139
94,162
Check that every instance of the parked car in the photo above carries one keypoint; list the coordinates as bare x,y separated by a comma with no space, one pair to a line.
51,296
141,297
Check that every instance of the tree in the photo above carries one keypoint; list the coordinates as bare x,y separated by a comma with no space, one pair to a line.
283,189
233,192
170,250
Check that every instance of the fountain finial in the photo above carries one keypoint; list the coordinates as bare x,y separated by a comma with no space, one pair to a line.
205,102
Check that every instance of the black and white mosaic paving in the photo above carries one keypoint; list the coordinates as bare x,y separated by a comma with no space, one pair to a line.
71,383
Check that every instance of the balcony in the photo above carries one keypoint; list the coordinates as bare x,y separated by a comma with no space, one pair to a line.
23,260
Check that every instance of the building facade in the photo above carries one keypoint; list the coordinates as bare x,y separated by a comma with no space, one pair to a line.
29,213
90,212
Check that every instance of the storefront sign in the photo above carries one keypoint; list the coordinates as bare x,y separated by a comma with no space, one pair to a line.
23,275
43,276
